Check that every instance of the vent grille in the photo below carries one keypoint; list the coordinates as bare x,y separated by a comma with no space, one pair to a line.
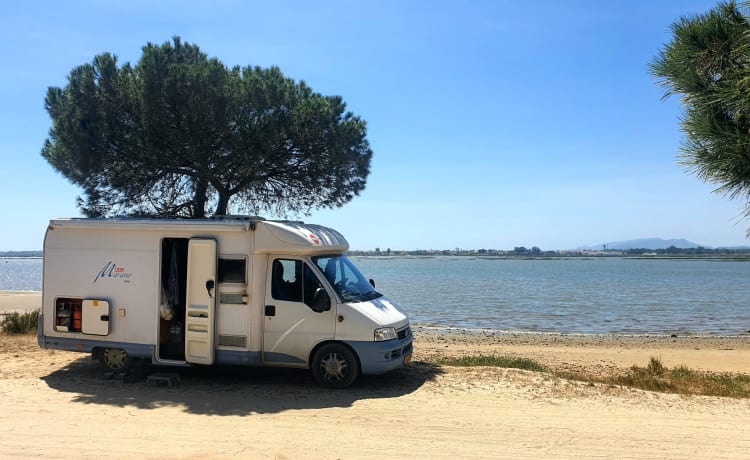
239,341
234,298
404,333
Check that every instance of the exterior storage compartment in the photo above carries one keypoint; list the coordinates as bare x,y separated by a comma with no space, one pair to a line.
95,319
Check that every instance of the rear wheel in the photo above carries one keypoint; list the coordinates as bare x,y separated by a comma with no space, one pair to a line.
115,359
335,366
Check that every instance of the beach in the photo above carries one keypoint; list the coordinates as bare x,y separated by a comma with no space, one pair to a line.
19,301
59,404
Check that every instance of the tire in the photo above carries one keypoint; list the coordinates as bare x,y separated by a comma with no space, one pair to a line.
115,359
335,366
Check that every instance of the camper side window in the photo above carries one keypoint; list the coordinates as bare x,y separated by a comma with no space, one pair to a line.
232,270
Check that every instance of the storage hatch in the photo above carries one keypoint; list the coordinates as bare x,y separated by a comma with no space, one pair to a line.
95,319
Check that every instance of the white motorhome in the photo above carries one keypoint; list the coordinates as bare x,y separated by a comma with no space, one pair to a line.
233,290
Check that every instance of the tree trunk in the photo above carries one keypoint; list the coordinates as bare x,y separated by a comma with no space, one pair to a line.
200,198
223,204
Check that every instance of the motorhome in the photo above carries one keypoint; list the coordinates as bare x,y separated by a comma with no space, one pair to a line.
233,290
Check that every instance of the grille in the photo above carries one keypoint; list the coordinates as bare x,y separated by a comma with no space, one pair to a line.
404,333
239,341
399,352
231,298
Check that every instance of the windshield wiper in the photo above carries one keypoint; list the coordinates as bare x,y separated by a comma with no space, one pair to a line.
373,295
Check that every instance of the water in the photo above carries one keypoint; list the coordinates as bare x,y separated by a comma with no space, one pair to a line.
588,296
20,274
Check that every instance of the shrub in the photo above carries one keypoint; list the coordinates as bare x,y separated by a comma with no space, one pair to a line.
20,323
683,380
494,361
655,367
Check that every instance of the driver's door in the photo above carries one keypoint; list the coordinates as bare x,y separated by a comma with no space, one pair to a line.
291,327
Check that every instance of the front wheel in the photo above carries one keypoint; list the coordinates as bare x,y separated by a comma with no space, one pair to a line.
335,366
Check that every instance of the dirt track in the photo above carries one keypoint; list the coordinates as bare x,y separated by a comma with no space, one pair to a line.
59,405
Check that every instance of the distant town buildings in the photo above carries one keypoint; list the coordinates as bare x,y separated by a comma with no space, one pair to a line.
535,252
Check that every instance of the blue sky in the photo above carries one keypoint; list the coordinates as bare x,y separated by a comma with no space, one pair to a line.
494,124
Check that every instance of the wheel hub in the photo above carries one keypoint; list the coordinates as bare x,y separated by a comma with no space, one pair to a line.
115,358
334,367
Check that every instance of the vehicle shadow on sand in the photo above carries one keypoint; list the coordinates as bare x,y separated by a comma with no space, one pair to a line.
228,390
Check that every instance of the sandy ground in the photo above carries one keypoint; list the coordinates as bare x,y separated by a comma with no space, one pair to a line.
60,405
19,301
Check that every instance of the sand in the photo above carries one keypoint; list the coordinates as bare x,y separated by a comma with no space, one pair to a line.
19,301
59,405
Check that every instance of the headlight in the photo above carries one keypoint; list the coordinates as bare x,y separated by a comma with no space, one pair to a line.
385,333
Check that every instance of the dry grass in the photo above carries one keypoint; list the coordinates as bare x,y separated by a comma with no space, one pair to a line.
680,380
653,377
492,361
14,344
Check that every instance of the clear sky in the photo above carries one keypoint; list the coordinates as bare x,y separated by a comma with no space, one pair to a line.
494,124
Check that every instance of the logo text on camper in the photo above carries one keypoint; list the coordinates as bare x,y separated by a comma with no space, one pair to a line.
111,270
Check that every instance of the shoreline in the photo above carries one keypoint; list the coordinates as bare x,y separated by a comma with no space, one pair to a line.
487,332
601,355
26,301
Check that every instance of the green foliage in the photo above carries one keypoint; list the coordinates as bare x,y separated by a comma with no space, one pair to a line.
683,380
646,378
180,134
654,377
20,323
493,361
683,373
708,64
734,386
655,367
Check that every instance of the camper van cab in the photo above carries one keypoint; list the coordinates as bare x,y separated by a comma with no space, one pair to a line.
231,290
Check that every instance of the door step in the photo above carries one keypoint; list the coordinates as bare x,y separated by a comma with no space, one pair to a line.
163,377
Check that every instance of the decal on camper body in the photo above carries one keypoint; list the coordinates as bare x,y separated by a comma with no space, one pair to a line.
111,270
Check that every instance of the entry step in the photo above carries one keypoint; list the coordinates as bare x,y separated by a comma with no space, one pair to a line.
164,377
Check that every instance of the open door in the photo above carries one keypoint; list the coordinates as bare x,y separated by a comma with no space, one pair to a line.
201,301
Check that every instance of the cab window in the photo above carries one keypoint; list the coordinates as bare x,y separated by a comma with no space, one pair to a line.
293,281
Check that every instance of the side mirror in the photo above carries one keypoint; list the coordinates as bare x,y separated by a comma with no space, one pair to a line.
372,282
321,301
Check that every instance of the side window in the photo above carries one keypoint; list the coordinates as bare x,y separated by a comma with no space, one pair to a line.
311,284
286,280
232,270
293,281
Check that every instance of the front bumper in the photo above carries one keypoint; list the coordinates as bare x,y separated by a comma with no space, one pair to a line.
381,357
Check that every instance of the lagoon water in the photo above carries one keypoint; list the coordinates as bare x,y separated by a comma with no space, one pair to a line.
588,296
20,274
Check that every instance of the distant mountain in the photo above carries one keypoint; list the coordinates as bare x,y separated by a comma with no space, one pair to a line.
647,243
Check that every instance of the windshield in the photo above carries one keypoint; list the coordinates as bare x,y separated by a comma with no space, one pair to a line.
346,279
